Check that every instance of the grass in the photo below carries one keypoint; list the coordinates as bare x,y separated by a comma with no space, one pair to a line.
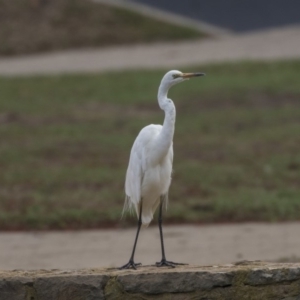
37,25
65,143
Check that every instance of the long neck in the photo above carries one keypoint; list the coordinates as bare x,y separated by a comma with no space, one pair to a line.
165,137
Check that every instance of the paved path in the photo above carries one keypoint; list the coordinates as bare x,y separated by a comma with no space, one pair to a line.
282,43
204,245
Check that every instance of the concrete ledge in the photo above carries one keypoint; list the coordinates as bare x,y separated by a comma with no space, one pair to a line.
247,280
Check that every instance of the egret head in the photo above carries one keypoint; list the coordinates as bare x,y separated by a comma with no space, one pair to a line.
173,77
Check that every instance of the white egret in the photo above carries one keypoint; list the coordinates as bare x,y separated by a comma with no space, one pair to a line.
148,176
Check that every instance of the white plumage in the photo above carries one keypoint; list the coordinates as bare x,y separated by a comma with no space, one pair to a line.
148,176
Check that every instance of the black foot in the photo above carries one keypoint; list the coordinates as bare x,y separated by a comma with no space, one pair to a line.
129,265
166,263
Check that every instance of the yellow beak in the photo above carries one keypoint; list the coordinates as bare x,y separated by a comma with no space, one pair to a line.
189,75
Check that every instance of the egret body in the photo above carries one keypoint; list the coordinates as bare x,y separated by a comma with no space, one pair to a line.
148,176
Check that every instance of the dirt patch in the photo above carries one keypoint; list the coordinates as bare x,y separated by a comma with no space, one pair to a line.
203,245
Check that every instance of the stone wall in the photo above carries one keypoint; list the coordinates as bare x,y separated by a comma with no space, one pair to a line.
247,280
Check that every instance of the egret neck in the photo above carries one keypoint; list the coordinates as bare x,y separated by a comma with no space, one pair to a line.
165,138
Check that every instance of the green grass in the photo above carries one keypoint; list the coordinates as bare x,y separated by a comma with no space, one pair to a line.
65,143
32,26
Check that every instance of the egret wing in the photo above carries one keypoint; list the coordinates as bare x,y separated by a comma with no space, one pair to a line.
138,164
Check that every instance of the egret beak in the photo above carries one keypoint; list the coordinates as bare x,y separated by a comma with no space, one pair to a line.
189,75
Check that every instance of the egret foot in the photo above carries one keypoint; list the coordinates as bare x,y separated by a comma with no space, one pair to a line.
129,265
166,263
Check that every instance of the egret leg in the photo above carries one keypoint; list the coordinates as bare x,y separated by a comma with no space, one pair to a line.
163,262
131,263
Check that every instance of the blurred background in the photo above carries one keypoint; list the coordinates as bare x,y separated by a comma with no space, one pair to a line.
233,15
78,80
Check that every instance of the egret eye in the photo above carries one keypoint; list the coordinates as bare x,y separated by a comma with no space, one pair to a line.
176,76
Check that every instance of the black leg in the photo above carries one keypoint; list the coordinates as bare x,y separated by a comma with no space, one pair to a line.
163,261
131,263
